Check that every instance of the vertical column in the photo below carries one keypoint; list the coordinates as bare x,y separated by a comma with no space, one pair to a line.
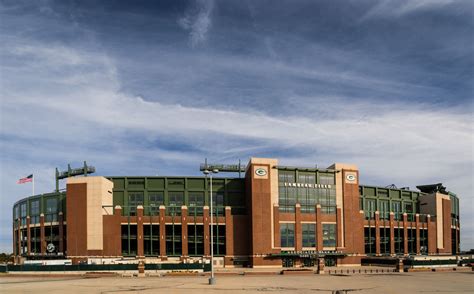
28,235
229,237
298,228
207,241
431,235
14,240
162,233
339,227
140,250
43,235
377,233
319,228
417,236
184,231
19,237
276,226
405,234
61,232
392,233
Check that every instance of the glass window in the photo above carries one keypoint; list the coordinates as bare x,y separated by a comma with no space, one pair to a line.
51,210
286,176
217,198
329,235
34,207
287,235
23,209
384,209
196,240
307,178
134,199
176,198
309,235
173,240
196,203
155,199
396,208
326,178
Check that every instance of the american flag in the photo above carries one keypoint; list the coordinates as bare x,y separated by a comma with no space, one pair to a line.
25,180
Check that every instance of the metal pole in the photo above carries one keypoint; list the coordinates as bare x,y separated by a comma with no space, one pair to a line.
212,280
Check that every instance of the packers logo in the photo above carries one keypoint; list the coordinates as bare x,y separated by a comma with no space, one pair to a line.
260,172
350,177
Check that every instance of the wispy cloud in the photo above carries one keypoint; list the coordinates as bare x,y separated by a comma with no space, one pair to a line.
198,21
398,8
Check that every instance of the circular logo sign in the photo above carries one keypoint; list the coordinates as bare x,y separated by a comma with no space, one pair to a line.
351,177
260,172
50,247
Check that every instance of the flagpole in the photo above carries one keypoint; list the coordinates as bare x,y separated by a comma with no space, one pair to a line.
33,185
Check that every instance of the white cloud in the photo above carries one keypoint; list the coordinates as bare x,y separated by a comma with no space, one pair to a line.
398,8
198,21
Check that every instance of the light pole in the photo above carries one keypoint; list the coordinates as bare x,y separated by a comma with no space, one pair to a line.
212,279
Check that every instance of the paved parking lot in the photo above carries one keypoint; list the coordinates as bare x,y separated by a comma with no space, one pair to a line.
426,282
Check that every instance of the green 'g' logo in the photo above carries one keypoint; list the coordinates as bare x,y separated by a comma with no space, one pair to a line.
260,172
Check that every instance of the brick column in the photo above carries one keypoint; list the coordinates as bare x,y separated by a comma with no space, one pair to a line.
298,228
61,231
405,234
319,228
207,236
162,233
339,231
276,226
184,231
229,237
19,237
14,240
377,233
43,235
28,235
431,235
392,233
417,236
140,250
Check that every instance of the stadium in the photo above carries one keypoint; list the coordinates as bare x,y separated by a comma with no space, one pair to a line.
267,215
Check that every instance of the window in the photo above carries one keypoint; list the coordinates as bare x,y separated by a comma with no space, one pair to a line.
384,209
309,235
195,240
155,199
399,245
173,240
129,240
51,210
287,235
307,178
23,214
196,203
219,239
326,178
396,208
369,240
329,235
34,211
134,199
286,176
151,239
176,200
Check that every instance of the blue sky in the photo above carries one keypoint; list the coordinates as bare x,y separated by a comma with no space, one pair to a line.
154,87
